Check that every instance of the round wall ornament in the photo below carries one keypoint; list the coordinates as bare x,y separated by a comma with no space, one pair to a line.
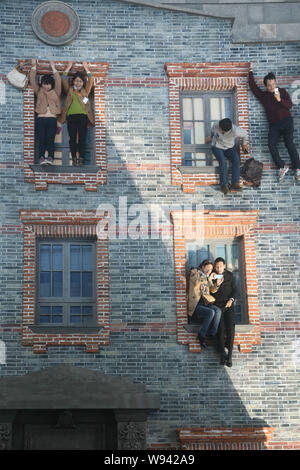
55,23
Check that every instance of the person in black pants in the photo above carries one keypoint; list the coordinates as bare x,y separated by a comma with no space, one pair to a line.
277,104
225,298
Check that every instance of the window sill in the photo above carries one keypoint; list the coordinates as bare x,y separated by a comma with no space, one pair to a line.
43,329
193,170
239,328
65,169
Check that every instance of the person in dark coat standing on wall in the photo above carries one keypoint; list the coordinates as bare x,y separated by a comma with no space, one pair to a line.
225,298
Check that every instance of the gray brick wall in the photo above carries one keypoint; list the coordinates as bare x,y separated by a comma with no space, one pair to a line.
137,41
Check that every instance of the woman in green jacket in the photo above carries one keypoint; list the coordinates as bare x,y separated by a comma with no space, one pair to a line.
77,110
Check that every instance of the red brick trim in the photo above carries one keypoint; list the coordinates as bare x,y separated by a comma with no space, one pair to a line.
62,224
217,224
251,438
90,180
203,76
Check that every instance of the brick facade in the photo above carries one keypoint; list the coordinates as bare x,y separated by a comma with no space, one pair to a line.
138,145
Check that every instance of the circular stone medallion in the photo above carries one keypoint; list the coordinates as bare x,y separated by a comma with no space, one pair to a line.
55,23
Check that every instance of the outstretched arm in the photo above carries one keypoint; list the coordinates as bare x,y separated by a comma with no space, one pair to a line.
32,76
65,80
90,81
255,89
57,79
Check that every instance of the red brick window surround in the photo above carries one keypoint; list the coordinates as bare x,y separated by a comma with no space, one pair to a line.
235,438
61,225
90,179
219,225
212,77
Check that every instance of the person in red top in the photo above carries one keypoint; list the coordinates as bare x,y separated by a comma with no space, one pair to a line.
277,104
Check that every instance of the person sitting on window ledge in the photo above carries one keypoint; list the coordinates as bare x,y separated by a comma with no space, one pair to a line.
223,135
225,297
200,300
277,104
48,107
77,110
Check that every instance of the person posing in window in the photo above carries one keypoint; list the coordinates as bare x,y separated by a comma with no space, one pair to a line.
77,110
200,300
48,107
225,297
277,104
222,138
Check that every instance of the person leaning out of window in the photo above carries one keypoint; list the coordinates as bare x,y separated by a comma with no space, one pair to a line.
222,138
48,107
200,300
77,110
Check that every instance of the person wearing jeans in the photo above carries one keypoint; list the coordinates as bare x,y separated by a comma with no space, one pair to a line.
277,104
77,110
200,300
48,107
223,135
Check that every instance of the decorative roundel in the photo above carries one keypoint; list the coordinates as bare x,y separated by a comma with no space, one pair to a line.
55,23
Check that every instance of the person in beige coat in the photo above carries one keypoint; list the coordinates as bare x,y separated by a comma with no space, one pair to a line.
77,110
200,300
48,107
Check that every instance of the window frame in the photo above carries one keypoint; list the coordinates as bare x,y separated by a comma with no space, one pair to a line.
89,175
216,224
66,300
204,148
60,225
241,285
206,77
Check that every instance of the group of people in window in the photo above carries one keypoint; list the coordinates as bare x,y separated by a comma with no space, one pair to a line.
211,296
77,110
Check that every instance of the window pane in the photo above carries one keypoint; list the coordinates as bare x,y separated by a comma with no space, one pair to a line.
215,109
45,314
45,251
75,284
45,284
57,264
200,159
75,316
87,314
87,261
188,133
228,108
57,278
187,159
75,257
199,133
198,109
221,251
187,109
232,261
87,284
57,314
203,253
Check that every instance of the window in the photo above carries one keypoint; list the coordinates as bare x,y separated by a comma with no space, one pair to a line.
94,171
200,94
199,111
65,280
232,252
62,154
231,235
66,292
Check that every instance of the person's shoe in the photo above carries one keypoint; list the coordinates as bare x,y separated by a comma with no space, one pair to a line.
297,174
202,341
80,161
236,187
42,161
50,161
225,189
74,162
282,173
229,363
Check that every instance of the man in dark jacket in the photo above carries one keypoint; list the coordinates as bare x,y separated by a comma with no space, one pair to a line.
277,104
225,298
